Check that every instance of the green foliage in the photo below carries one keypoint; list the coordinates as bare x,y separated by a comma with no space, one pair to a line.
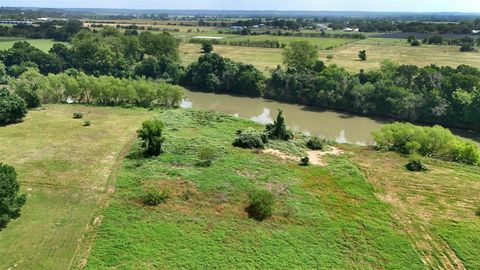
250,139
10,200
154,197
12,107
151,135
87,123
436,142
261,204
77,115
362,55
300,55
278,130
305,161
207,46
415,43
467,47
206,155
160,68
217,74
415,164
316,143
28,85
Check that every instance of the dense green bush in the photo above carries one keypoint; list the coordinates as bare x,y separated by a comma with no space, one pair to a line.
436,142
151,136
77,115
261,204
415,164
250,139
316,143
12,107
87,123
154,197
278,130
304,161
10,200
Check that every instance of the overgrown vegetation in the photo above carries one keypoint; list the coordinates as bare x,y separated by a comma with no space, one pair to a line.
261,204
436,142
151,136
415,164
278,130
154,197
250,138
316,143
11,201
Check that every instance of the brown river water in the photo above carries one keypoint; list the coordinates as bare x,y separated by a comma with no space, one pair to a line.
332,125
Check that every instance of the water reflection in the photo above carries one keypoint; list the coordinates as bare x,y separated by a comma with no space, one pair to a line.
264,118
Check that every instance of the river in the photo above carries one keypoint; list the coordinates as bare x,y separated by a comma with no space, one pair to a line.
341,127
332,125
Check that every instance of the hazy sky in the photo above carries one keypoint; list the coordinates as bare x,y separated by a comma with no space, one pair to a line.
323,5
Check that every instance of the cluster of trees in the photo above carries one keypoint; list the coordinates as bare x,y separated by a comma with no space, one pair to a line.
57,30
12,107
436,142
281,33
107,52
75,86
243,43
218,74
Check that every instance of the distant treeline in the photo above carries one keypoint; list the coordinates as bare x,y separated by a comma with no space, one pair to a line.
243,43
281,33
57,30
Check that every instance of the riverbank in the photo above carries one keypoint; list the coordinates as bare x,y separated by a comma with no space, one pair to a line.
355,212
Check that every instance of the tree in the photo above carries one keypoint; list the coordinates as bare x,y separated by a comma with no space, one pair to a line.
10,200
467,47
12,107
415,43
151,135
207,46
261,203
300,55
362,55
278,130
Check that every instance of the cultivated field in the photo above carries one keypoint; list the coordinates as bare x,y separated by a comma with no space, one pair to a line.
64,168
42,44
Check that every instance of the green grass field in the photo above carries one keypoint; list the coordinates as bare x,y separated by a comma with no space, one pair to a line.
42,44
378,50
325,217
64,169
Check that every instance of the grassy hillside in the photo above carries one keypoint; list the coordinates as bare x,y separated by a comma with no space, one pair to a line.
325,217
63,167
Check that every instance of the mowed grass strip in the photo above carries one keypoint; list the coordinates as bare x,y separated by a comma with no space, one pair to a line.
324,218
42,44
63,167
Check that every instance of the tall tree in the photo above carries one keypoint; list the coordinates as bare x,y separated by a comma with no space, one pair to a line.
11,201
300,55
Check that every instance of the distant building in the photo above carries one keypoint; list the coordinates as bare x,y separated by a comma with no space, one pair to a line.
236,27
25,22
348,29
44,19
475,32
322,27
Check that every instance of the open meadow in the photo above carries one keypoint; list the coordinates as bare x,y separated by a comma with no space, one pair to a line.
64,168
362,211
42,44
346,56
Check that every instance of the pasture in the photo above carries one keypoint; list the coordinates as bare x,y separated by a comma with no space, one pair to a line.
42,44
346,56
64,169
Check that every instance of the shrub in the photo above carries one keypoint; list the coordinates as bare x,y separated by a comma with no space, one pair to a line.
315,143
77,115
436,142
10,200
151,136
477,213
206,157
154,197
415,164
362,55
12,107
304,161
415,43
207,46
87,123
278,130
250,139
261,203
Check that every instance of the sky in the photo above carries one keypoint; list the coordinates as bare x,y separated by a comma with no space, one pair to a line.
312,5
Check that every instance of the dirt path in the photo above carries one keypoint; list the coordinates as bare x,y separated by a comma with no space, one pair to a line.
315,156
